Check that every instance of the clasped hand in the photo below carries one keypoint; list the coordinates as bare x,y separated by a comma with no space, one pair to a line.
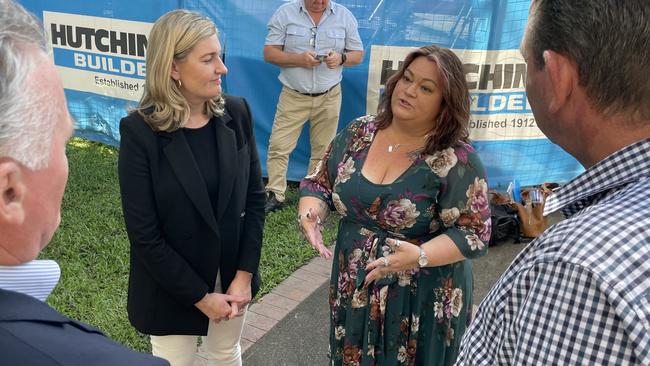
404,256
240,286
218,307
232,304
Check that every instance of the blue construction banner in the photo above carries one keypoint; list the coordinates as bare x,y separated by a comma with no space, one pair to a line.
99,49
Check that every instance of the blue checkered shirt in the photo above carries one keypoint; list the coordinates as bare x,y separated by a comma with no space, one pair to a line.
580,293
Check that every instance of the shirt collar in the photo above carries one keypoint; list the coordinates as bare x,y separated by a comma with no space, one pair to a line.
628,164
36,278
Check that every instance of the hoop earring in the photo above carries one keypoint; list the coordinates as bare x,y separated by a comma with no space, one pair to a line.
178,83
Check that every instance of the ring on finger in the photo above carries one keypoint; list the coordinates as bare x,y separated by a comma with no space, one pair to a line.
385,261
398,243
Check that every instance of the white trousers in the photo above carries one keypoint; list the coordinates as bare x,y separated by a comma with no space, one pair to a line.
221,345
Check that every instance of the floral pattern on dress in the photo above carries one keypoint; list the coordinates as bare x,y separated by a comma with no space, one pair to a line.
449,301
449,216
351,355
448,305
413,317
441,162
339,332
345,170
398,214
475,243
477,195
339,205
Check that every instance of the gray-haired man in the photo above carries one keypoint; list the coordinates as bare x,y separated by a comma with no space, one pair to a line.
34,127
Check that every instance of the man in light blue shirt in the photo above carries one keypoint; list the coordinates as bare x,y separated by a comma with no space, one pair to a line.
311,41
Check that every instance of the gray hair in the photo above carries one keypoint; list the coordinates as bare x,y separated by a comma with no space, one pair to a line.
26,112
610,42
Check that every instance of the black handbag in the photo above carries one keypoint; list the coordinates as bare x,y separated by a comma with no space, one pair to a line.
505,220
505,224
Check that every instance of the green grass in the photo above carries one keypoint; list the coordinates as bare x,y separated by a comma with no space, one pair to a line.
93,251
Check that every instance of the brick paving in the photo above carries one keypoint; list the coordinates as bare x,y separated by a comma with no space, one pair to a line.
271,308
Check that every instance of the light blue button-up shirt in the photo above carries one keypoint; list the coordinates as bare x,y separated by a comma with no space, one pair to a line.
36,278
293,28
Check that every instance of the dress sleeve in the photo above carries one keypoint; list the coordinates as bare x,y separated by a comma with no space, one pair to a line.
463,208
320,182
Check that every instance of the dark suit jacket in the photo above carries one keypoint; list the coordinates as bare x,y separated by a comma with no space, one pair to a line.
32,333
178,242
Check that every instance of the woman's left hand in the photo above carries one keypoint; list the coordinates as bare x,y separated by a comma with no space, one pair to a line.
241,286
405,256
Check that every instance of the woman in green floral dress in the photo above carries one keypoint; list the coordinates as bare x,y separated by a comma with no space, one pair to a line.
412,195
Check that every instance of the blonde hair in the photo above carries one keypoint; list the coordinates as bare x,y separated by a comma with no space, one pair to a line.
172,38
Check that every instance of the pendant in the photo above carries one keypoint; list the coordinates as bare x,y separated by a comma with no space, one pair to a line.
390,148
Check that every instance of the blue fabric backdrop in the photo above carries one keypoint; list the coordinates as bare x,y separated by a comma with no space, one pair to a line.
486,34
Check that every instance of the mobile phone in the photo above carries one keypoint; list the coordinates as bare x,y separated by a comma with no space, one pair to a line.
321,58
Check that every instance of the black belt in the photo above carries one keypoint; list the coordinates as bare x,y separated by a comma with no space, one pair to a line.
316,94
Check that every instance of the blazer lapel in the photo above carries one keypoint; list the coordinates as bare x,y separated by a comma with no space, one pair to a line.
184,166
228,162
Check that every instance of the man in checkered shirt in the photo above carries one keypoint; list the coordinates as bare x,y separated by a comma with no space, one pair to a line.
580,293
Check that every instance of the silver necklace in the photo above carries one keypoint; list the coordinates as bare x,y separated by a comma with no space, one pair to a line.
395,147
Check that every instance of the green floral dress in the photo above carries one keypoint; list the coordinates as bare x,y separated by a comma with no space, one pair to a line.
415,317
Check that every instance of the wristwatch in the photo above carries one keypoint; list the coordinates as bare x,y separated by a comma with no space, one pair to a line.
344,58
423,260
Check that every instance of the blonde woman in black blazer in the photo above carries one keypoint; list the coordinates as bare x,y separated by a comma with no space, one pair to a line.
192,196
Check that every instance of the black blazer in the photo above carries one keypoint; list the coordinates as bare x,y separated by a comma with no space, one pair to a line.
178,242
32,333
